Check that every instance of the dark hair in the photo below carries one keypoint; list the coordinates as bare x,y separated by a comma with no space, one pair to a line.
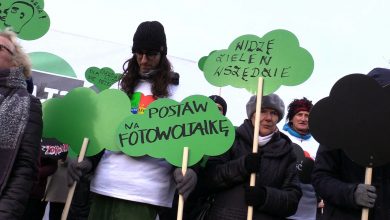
160,81
218,99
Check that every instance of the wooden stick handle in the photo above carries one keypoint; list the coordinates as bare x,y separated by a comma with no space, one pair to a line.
65,212
183,170
256,136
367,180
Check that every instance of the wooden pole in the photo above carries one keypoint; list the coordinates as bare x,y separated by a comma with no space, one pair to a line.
65,212
367,180
256,137
183,170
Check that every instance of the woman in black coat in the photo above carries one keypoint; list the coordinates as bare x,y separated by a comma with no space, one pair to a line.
20,129
277,193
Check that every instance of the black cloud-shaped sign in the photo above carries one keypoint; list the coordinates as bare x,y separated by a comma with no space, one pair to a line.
355,118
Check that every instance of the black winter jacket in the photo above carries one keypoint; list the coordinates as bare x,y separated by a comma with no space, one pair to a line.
227,176
335,178
24,171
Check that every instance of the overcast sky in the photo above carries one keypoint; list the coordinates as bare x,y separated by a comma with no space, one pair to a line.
342,36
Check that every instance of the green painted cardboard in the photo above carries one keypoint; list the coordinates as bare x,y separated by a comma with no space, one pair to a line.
166,127
102,78
26,17
83,113
277,57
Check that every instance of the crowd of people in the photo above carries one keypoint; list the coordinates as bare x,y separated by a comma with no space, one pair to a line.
296,177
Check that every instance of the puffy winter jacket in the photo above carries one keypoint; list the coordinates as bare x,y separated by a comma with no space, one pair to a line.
24,170
335,178
227,176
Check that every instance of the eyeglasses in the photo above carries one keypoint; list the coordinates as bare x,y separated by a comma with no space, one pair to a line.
149,54
3,47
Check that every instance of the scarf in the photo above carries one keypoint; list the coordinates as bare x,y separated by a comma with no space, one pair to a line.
148,75
14,114
264,140
291,131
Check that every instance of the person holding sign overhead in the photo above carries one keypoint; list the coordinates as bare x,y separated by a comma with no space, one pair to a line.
340,181
138,187
277,193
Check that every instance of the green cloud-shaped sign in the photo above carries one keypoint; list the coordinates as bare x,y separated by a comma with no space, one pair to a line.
166,127
83,113
277,57
102,78
26,17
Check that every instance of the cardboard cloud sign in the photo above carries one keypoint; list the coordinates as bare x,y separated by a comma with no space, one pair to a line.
355,118
166,127
26,17
83,113
277,57
102,78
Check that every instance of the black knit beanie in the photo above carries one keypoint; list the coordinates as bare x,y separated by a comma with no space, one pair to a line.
218,99
150,36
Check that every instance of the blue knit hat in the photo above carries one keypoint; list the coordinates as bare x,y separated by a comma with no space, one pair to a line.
381,75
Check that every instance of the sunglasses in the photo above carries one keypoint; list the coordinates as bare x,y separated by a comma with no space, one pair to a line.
3,47
148,54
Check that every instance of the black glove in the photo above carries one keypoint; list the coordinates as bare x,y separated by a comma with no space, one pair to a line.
255,195
364,195
76,170
185,184
252,162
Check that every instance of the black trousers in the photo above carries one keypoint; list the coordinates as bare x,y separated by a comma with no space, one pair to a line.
35,209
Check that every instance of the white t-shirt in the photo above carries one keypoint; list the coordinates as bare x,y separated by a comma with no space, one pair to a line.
310,145
141,179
